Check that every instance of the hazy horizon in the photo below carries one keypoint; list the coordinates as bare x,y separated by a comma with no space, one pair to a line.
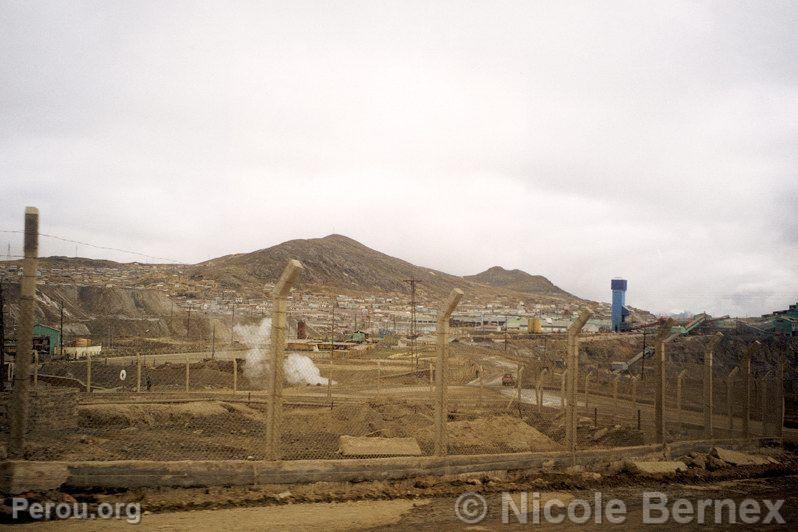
582,142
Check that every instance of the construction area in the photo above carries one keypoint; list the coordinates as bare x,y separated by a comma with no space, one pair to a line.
285,411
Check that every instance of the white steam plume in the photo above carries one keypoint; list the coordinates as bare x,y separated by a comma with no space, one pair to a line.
298,369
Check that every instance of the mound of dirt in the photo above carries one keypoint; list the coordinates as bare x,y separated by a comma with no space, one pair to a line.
493,435
151,415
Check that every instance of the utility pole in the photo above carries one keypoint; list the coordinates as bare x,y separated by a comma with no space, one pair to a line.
332,349
413,334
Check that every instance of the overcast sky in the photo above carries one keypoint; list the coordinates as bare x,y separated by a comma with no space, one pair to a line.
656,141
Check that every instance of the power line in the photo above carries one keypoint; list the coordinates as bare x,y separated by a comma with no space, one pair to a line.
96,246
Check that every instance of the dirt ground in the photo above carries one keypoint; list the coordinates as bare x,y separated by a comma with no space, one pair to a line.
427,503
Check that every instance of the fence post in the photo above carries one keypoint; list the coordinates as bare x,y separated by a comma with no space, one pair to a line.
563,381
763,397
138,372
709,385
275,406
35,369
539,391
747,388
88,372
587,406
679,381
379,377
659,398
442,330
188,379
573,376
20,406
780,396
481,386
729,408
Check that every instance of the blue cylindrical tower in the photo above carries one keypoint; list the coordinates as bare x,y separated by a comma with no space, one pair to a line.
618,287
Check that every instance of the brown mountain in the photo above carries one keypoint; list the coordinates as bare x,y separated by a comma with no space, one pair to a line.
334,261
341,263
517,281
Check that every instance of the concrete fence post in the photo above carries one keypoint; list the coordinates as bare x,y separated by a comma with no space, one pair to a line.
20,398
729,401
573,376
709,385
441,410
679,383
274,410
746,371
138,372
235,374
188,378
88,372
659,399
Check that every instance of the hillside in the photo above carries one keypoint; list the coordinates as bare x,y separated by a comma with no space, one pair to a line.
517,281
339,262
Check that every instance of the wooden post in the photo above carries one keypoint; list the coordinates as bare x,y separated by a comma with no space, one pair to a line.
709,385
729,407
746,370
235,374
441,410
35,369
138,373
573,376
20,405
274,410
88,372
659,398
679,383
188,379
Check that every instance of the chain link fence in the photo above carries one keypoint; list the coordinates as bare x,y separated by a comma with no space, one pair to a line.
369,400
